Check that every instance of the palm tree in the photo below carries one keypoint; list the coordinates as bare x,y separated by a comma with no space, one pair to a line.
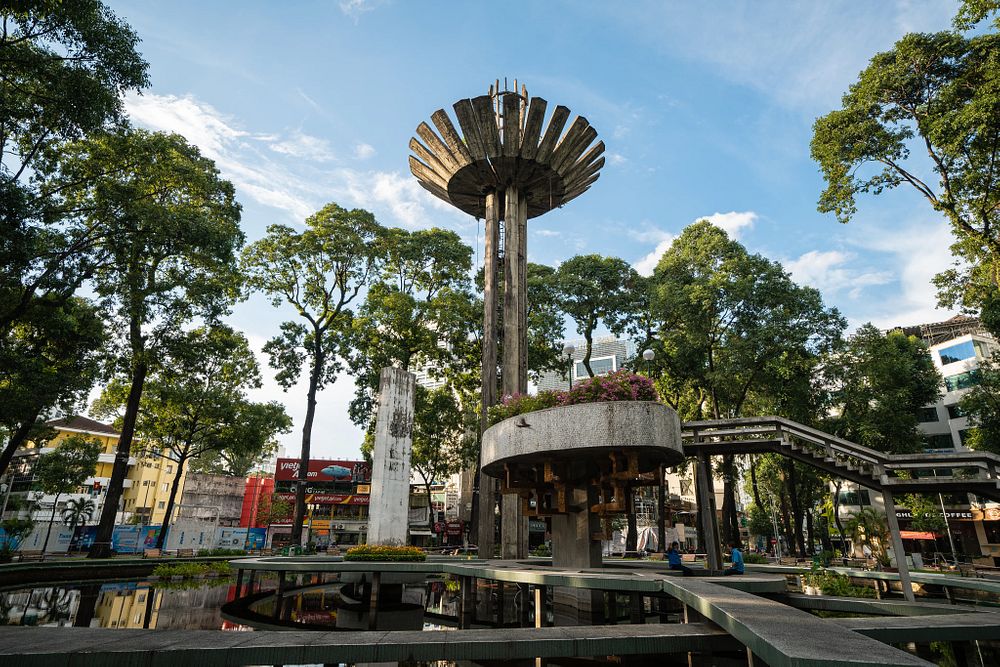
78,512
868,528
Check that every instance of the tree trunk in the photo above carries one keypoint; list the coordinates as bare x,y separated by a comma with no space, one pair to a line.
730,519
17,438
52,518
836,515
632,536
588,336
786,522
300,485
105,528
811,537
793,498
753,482
430,507
661,511
174,487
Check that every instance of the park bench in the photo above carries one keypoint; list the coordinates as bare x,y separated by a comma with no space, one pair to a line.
151,553
185,553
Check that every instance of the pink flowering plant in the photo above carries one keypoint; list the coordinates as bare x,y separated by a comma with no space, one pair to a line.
618,386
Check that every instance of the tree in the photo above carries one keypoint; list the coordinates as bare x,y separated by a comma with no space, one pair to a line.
419,314
593,290
868,528
49,359
319,272
273,508
876,385
171,231
64,471
734,330
939,95
982,405
443,440
195,404
65,67
78,512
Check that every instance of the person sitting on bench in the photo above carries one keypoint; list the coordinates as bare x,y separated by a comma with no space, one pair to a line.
737,558
674,559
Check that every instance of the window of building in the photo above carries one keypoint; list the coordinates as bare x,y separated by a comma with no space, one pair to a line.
960,352
855,497
160,505
170,469
145,482
600,366
955,411
928,415
961,381
963,434
940,441
164,487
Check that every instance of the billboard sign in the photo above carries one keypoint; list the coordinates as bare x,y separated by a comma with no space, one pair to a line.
322,470
328,498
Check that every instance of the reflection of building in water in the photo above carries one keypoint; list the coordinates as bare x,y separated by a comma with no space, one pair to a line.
48,607
193,608
126,605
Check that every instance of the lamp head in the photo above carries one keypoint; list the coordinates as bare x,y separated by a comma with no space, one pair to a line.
648,355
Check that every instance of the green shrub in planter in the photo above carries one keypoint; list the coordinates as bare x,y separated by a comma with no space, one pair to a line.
755,559
385,554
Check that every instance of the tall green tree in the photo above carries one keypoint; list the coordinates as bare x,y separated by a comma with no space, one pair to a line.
170,230
320,272
419,314
443,438
65,67
876,384
982,405
49,359
64,470
926,114
195,404
733,329
596,290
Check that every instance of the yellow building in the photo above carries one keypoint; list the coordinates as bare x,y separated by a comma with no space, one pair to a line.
147,482
127,606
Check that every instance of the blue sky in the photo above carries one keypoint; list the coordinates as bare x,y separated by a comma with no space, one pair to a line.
706,112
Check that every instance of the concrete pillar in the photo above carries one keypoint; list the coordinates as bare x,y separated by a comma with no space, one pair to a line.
574,547
637,609
525,595
897,546
706,510
467,603
485,500
390,497
540,613
373,600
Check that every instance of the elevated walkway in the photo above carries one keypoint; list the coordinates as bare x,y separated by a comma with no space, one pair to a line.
965,472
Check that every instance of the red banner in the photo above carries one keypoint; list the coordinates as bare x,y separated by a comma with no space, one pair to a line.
328,498
321,470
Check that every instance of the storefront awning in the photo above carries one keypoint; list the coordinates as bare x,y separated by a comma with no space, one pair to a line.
916,535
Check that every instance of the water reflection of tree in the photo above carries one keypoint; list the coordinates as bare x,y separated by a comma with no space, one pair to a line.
88,605
54,605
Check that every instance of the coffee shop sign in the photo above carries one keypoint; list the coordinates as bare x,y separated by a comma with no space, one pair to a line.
950,514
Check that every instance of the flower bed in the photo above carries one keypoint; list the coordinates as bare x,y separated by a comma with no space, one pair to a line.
617,386
378,553
191,570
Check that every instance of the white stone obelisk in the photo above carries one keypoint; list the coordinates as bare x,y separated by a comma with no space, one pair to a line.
389,506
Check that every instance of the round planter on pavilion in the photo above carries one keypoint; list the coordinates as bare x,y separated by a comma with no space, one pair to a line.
585,431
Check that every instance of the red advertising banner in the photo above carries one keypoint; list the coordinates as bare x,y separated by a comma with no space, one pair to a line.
328,498
322,470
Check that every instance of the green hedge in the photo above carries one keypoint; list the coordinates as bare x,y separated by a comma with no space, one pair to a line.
378,553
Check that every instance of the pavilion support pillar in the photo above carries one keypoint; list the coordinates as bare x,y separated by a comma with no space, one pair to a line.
897,546
487,497
706,510
525,595
373,600
514,525
467,603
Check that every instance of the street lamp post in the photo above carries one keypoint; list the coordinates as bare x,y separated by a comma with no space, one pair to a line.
568,352
648,356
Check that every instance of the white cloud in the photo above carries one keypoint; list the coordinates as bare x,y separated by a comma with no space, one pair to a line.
802,54
616,159
828,272
733,223
355,8
647,264
547,233
363,151
305,146
286,171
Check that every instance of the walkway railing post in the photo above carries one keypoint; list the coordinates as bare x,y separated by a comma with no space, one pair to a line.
897,545
373,600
